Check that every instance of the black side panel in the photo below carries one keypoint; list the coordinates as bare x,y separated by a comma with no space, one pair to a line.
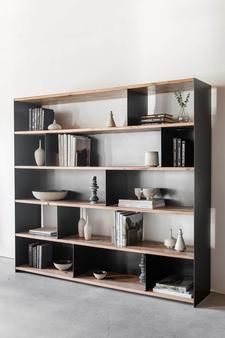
67,221
202,160
27,216
137,105
116,186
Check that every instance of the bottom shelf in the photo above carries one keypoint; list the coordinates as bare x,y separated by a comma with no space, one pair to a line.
128,283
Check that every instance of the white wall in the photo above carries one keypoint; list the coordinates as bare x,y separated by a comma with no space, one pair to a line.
78,44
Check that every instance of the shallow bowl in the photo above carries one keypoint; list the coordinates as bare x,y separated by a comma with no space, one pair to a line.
63,264
52,195
100,274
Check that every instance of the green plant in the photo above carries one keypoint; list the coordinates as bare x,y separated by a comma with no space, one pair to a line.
182,103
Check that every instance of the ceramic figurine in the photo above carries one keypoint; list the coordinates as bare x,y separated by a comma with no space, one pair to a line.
111,123
81,222
171,241
39,155
87,231
54,126
94,187
142,276
180,245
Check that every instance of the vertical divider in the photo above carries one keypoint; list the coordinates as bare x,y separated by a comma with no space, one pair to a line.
116,186
67,221
137,105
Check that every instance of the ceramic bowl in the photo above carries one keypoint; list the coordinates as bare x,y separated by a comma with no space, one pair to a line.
99,274
63,264
53,195
149,193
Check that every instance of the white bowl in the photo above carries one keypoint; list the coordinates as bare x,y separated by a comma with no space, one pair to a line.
149,193
62,265
100,274
50,195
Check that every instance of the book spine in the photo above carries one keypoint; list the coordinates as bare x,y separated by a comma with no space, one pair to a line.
34,256
183,146
30,119
123,231
179,152
114,229
175,152
30,255
32,124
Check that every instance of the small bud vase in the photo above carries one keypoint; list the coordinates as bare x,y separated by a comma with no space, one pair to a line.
87,231
180,245
81,223
39,155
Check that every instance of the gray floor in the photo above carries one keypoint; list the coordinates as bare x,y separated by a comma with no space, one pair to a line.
33,306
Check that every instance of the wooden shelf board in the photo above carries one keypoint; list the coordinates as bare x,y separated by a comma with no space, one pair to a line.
50,272
113,92
103,242
131,168
100,205
127,283
105,130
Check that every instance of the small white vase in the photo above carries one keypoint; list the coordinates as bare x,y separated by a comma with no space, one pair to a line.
54,126
170,242
81,223
87,231
39,155
180,245
111,123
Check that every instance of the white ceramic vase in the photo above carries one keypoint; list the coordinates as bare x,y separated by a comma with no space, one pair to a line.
54,126
39,155
152,158
87,231
81,222
180,245
170,242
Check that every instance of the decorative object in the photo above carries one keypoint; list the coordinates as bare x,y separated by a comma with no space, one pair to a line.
39,155
180,245
152,158
53,195
149,193
170,242
111,123
183,115
82,222
142,276
99,274
94,187
87,230
54,126
63,264
138,193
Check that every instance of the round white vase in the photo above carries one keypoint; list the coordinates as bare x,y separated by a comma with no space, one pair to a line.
180,245
54,126
87,231
39,155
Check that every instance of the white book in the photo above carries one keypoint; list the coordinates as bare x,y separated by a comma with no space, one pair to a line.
172,293
155,203
68,150
65,136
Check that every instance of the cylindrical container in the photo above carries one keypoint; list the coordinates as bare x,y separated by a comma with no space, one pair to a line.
152,158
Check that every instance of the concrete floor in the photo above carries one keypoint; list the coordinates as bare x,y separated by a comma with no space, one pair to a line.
33,306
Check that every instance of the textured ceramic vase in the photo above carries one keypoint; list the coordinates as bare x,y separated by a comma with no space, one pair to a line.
180,245
54,126
39,155
171,241
81,223
152,158
87,231
111,123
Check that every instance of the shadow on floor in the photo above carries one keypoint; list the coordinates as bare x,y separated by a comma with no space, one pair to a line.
213,301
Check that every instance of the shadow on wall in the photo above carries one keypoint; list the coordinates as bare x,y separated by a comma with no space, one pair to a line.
218,191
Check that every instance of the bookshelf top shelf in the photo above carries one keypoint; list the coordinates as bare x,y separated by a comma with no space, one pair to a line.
101,205
145,247
91,131
113,92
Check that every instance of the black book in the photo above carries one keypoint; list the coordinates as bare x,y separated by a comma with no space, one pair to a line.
30,252
45,253
48,117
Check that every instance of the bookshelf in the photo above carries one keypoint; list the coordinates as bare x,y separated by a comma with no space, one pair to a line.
190,186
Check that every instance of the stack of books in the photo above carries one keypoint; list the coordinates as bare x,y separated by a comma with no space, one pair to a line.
40,255
74,150
182,152
127,228
40,118
157,118
45,231
176,286
151,204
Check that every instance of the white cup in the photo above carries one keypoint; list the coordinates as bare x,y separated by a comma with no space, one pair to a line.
152,158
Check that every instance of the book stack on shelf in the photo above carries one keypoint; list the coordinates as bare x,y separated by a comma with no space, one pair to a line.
157,118
151,204
40,118
40,255
127,228
45,231
175,285
74,150
182,152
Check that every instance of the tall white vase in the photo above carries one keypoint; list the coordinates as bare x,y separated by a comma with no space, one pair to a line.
81,222
87,231
39,155
180,245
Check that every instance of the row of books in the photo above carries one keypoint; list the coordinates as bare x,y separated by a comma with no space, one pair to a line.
40,118
40,255
175,285
47,231
157,118
182,152
127,228
151,204
74,150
